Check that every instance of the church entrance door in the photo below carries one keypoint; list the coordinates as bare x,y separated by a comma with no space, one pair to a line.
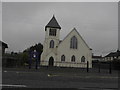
51,61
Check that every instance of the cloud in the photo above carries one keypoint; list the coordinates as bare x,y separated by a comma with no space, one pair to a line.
23,23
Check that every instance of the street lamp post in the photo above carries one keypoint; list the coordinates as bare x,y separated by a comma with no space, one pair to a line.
35,56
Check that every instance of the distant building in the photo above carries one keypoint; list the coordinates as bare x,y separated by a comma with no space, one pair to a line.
3,46
72,51
118,54
96,58
113,55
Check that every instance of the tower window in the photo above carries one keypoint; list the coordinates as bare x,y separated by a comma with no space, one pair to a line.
73,42
52,32
51,44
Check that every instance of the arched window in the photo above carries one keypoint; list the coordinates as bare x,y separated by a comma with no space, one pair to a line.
73,42
82,59
63,58
51,44
73,58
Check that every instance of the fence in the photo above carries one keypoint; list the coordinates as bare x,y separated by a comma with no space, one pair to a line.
115,65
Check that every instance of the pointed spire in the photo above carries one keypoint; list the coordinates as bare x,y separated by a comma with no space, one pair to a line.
74,28
53,23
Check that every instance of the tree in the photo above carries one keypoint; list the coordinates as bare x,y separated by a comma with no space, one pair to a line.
24,58
26,53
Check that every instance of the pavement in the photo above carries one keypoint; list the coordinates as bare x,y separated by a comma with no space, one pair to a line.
47,77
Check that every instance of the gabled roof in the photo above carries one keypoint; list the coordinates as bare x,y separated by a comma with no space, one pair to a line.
82,39
4,44
74,29
113,54
53,23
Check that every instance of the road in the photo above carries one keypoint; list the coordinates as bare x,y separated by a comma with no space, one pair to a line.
59,78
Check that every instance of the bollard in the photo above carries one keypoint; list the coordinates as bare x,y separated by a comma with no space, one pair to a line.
87,66
99,67
36,64
110,69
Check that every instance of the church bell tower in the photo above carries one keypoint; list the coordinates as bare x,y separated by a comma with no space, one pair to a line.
52,33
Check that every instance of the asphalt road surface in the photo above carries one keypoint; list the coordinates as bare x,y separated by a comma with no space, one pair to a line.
59,78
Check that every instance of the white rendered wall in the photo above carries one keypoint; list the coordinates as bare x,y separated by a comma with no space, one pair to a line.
82,50
48,52
64,48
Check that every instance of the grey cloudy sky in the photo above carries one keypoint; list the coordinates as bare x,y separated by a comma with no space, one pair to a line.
23,23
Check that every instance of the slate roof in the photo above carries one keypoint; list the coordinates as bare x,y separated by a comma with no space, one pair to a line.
53,23
113,54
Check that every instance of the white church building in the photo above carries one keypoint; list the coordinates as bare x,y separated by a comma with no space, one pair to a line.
72,51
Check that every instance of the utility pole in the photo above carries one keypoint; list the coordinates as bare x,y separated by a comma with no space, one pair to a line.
87,66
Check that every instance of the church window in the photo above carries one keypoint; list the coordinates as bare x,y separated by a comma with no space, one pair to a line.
52,32
63,58
82,59
73,42
73,58
51,44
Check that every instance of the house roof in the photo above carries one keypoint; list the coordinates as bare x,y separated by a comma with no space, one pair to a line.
118,52
53,23
4,44
113,54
